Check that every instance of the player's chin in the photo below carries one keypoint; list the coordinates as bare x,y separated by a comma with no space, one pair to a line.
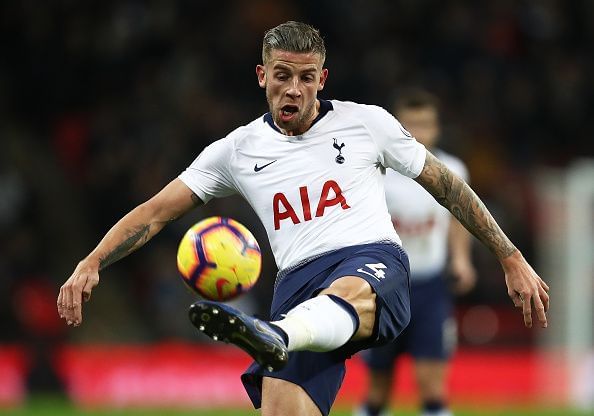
288,123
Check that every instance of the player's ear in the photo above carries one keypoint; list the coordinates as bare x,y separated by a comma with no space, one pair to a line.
261,73
323,78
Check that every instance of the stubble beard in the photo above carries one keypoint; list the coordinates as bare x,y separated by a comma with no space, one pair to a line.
301,123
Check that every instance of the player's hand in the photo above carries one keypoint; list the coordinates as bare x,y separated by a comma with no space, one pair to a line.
526,288
77,289
463,275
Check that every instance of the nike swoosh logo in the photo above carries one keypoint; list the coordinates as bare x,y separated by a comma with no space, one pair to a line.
263,329
259,168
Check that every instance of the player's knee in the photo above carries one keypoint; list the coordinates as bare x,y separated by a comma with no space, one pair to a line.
354,290
358,293
280,397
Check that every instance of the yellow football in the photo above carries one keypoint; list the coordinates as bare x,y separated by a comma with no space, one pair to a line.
219,258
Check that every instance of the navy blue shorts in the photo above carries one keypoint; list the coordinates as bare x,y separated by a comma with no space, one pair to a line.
320,374
431,333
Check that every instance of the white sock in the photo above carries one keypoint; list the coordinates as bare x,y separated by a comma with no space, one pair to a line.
318,324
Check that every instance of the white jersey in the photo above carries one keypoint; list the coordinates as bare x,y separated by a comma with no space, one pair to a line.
316,192
420,221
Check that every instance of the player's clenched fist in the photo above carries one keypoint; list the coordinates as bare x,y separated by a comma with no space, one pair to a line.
77,289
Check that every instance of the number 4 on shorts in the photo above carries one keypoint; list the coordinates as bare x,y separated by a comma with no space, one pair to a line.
376,268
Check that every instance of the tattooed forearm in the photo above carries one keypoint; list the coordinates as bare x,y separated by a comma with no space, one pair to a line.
454,194
135,240
141,224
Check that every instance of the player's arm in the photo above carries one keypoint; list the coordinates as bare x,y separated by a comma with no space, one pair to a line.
461,267
523,284
127,235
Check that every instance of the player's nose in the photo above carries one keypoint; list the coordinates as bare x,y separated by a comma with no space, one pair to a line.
294,90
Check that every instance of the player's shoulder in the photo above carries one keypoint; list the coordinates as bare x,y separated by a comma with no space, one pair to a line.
226,148
375,118
451,161
242,133
352,108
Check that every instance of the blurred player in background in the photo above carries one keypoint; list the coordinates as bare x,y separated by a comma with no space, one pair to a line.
313,171
428,233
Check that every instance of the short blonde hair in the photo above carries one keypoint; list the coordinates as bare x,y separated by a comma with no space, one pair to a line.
293,36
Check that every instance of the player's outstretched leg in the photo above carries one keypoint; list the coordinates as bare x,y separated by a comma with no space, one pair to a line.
223,323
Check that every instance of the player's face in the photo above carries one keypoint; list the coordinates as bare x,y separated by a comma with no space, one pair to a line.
422,123
292,81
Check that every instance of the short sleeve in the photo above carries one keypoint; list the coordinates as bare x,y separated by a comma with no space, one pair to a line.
209,174
398,149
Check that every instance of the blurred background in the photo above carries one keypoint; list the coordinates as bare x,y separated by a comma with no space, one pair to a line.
103,103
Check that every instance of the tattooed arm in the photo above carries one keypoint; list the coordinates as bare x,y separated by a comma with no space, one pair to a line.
524,285
127,235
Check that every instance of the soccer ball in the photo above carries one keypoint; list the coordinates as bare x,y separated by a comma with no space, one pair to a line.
219,258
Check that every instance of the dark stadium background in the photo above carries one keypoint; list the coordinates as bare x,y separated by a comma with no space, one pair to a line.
102,103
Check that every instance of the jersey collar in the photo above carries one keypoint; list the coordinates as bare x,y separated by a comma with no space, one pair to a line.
325,106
